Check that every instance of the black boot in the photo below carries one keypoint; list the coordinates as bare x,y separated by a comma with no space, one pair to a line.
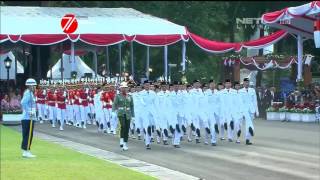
148,147
239,133
248,142
216,129
251,131
165,142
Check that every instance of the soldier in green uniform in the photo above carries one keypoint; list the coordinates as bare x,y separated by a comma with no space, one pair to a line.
123,106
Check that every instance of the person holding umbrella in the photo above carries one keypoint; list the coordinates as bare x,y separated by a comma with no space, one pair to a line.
28,103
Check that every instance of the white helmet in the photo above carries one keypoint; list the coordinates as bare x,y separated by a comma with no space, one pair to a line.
31,82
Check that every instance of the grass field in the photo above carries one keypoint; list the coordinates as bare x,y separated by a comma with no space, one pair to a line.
55,162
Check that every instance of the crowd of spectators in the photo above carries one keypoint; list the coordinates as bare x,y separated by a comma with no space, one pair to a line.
10,100
307,97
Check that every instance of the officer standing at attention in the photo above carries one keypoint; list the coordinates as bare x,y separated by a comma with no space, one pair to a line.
28,104
123,105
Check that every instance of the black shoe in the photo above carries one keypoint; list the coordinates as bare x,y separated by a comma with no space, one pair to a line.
148,147
50,121
152,140
222,139
189,140
165,143
181,139
230,140
121,145
197,141
176,146
139,137
213,144
248,142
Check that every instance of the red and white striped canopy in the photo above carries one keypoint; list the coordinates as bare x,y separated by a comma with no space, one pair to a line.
297,20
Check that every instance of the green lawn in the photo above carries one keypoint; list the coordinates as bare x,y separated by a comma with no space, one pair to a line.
55,162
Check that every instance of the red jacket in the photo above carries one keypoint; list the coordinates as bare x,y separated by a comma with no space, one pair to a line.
106,100
51,97
84,98
76,97
40,97
61,100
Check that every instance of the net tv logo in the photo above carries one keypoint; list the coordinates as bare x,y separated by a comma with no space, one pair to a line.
254,22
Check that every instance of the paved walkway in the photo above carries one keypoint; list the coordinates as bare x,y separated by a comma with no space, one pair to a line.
133,164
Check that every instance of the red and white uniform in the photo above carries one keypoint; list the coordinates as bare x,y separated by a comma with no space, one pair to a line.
91,102
107,107
70,99
51,100
41,103
84,108
76,106
61,107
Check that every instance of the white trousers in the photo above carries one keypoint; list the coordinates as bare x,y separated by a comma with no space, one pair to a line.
248,119
41,110
76,110
52,113
61,116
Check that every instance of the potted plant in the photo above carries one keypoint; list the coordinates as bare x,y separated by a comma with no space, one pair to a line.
12,115
308,115
282,113
272,114
295,114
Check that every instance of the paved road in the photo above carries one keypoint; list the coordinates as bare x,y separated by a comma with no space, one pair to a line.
281,150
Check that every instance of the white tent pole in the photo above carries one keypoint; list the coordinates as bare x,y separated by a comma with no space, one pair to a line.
72,56
183,56
107,63
148,62
38,64
61,62
95,63
166,63
300,57
120,60
131,56
15,71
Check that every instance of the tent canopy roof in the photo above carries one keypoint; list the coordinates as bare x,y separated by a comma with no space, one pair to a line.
297,20
18,20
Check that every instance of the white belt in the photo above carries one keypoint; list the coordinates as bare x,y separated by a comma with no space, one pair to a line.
122,108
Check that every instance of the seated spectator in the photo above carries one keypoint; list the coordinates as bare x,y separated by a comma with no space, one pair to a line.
5,106
15,102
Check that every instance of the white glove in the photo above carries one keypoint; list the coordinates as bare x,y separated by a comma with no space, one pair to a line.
72,100
80,100
110,102
104,103
56,105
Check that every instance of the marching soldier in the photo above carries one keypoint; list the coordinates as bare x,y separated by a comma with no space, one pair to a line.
123,104
28,104
251,108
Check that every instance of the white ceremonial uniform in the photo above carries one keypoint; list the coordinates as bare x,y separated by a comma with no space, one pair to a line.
239,110
175,121
229,109
196,111
161,104
249,98
213,111
147,101
137,110
98,108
